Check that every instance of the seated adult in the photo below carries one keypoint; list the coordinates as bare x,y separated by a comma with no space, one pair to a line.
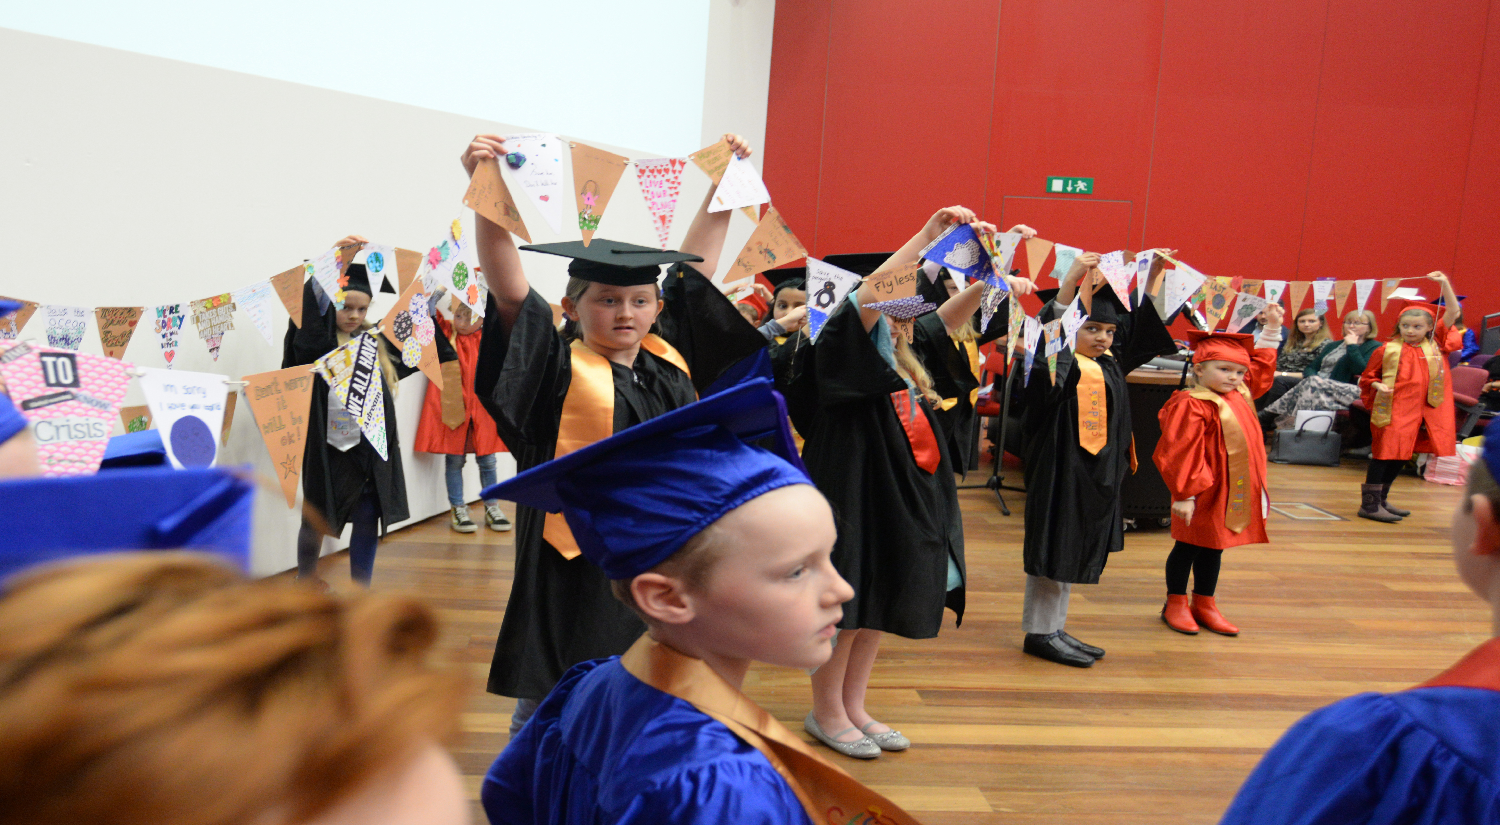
1309,334
1423,755
1331,380
166,688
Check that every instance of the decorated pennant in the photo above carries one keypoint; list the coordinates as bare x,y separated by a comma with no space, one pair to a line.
1341,290
409,326
380,261
1297,292
1274,291
1321,290
229,401
595,175
1033,334
740,186
772,244
489,196
536,165
897,283
1363,288
1143,264
1246,308
328,278
352,372
913,306
279,401
1219,292
1064,256
827,287
213,317
1072,321
65,326
989,302
1251,285
168,322
1388,286
1002,250
116,325
960,251
255,301
188,408
1039,257
713,160
661,181
135,419
1118,272
1052,332
69,399
1014,327
1180,285
11,325
288,286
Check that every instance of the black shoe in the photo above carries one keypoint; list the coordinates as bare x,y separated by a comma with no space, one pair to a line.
1096,652
1050,646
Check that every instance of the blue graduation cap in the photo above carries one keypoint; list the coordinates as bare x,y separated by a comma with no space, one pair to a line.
156,508
142,449
638,496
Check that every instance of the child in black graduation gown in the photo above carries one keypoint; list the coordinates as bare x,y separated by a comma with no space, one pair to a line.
344,480
1073,478
552,392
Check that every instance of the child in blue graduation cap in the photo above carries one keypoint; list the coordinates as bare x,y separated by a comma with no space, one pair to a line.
723,549
1428,754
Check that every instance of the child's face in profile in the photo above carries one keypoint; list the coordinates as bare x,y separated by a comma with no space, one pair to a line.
773,596
1415,327
1220,376
1095,338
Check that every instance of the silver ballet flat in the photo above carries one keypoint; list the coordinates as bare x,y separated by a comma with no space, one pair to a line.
862,748
891,740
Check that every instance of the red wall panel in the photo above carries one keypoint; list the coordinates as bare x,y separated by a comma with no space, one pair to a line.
1478,258
794,136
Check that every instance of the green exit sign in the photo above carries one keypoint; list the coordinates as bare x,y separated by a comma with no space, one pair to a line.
1070,186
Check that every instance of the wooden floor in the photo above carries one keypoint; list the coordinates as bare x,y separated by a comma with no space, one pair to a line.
1165,728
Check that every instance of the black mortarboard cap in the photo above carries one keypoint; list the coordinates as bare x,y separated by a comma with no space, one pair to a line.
860,263
1106,307
791,277
359,279
613,262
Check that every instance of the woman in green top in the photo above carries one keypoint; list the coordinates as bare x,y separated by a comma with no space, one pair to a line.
1331,380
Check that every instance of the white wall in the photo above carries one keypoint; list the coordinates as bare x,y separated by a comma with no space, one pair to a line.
127,179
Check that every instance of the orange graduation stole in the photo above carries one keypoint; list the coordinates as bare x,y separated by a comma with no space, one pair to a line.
1093,404
1390,366
924,445
827,793
588,415
1237,510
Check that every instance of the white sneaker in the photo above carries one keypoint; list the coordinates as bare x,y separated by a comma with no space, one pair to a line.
495,519
460,521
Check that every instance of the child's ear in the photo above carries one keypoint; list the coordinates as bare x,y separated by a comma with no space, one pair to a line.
1486,529
569,308
662,598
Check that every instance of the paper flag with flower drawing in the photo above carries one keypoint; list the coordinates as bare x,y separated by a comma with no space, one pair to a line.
596,173
827,287
740,185
535,163
661,181
960,251
772,244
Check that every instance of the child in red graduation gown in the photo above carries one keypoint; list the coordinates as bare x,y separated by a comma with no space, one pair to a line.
471,429
1406,388
1423,756
1214,465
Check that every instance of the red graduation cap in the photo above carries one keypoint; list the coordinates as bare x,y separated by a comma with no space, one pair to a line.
1404,304
1234,347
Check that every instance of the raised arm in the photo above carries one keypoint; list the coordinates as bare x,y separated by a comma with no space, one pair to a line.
705,236
1452,311
940,221
498,256
956,311
1082,265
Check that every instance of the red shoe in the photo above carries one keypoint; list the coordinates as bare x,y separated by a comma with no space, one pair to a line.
1207,613
1178,616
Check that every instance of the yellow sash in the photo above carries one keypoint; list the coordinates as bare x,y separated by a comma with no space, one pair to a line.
588,415
1390,367
827,793
1093,405
971,350
1236,510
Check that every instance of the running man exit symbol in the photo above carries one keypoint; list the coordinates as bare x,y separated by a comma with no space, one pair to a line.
1070,186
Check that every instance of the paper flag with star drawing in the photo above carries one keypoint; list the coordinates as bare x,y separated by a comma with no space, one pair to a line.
279,401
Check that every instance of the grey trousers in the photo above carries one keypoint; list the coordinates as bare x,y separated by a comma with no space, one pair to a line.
1046,606
518,718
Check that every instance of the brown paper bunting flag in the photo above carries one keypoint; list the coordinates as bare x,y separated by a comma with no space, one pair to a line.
10,328
279,401
288,286
772,244
116,325
595,175
1388,286
137,419
1040,257
898,283
410,327
1340,294
489,196
713,160
1298,291
1252,286
408,261
229,401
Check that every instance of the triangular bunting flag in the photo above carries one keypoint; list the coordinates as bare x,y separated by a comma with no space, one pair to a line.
1180,285
713,160
70,399
489,196
535,163
1040,257
65,326
1274,291
1216,300
279,401
1341,291
772,244
135,419
595,175
1052,331
1062,260
352,372
661,181
959,250
11,325
1033,336
188,408
116,325
409,326
1015,326
1252,286
1298,292
1247,307
740,186
213,317
1388,286
1363,288
1321,289
255,301
229,402
168,322
827,286
288,286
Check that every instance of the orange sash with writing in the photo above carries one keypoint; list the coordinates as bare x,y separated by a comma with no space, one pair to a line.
1236,510
588,416
827,793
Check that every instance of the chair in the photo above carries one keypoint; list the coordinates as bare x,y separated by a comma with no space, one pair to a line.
1479,361
991,407
1489,334
1467,384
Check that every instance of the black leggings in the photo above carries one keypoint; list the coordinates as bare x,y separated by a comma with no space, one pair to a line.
1202,562
363,540
1384,470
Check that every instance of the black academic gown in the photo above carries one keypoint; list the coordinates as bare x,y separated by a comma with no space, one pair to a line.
1073,511
561,611
897,525
332,480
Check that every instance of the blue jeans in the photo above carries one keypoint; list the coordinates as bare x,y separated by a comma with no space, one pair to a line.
453,474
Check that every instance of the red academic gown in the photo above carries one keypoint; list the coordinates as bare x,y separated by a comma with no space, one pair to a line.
1415,427
1195,462
477,434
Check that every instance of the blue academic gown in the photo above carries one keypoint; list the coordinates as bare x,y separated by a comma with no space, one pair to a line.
1426,756
605,747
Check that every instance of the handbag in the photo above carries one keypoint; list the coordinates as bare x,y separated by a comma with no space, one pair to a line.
1302,446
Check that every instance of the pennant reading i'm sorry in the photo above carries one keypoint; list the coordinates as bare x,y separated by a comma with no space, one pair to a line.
595,175
188,408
